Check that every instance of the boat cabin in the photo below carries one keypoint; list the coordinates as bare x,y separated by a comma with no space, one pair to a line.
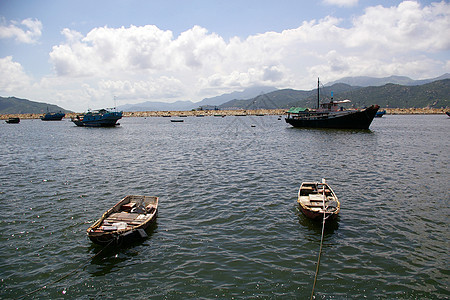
332,106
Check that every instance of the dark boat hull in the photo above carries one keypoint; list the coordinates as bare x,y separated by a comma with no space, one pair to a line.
317,215
53,117
353,120
106,238
13,121
103,123
109,120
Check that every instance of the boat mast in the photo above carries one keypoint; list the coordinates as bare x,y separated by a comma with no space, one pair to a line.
318,82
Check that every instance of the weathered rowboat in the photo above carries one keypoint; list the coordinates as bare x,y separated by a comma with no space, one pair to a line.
126,220
317,199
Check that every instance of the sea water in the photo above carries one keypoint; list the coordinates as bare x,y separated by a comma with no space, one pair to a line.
228,225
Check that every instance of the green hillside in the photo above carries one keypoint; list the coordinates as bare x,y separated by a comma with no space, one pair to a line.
13,105
434,95
285,98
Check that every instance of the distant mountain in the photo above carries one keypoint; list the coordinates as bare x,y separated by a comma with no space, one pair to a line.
435,94
188,105
158,106
286,98
365,81
13,105
246,94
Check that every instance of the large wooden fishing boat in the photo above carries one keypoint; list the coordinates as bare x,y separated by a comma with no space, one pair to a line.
318,200
126,220
331,115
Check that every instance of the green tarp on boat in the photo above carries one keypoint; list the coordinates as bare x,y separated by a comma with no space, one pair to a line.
296,110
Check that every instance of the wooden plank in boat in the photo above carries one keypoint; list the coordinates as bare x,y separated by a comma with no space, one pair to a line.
308,188
316,204
315,197
122,216
304,200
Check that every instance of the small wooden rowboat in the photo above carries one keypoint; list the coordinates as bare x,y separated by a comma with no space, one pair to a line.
127,219
317,199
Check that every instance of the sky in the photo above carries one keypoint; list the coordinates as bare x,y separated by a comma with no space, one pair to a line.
96,54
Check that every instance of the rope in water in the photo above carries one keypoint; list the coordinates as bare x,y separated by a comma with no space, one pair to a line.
320,250
68,274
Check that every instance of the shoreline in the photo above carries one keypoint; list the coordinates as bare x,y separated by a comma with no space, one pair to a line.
241,112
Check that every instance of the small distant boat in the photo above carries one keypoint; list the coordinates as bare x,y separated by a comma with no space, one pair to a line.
380,113
176,120
13,121
53,116
330,115
317,199
126,220
98,118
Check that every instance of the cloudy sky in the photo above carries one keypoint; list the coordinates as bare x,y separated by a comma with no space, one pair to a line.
83,54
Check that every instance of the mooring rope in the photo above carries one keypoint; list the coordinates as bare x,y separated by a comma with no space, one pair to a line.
68,274
321,243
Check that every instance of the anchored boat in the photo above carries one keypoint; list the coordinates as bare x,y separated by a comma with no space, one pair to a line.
331,115
13,120
53,116
380,113
126,220
318,200
98,118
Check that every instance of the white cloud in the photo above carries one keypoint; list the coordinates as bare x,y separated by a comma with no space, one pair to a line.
407,27
27,31
341,2
141,63
12,76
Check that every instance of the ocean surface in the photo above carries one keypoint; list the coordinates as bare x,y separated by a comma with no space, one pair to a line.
228,224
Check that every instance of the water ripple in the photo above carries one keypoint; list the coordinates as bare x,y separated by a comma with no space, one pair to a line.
228,224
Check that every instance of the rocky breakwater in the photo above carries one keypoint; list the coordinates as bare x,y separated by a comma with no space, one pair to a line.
390,111
194,113
415,111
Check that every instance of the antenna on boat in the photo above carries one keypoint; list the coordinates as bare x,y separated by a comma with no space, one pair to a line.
318,83
115,105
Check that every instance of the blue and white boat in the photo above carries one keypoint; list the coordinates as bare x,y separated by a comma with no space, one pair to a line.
98,118
380,113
